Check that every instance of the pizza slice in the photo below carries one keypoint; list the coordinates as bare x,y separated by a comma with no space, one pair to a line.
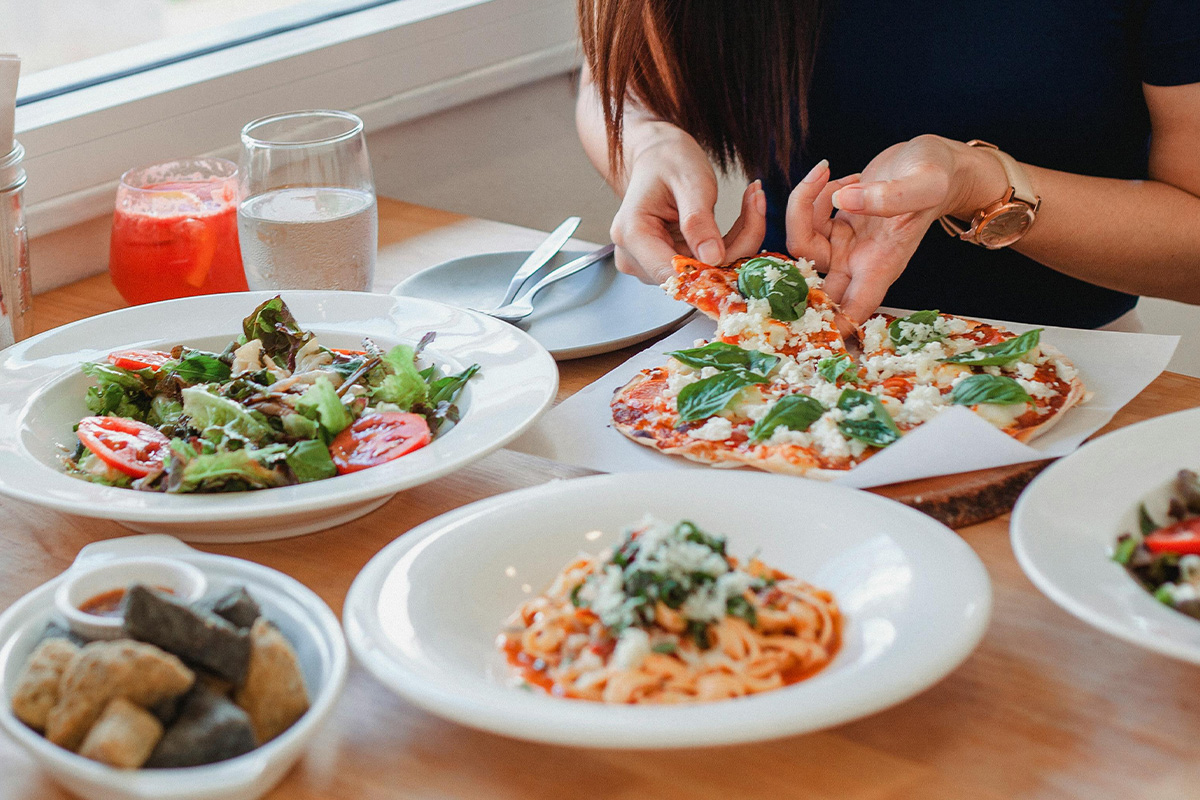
767,302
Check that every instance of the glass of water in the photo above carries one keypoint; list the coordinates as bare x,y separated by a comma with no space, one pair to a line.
307,218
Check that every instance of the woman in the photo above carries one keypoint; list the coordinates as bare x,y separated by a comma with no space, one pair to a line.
1098,102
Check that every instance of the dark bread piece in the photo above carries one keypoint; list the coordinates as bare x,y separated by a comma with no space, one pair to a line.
198,637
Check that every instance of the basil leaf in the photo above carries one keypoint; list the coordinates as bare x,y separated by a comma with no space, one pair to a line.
796,412
997,389
997,355
1146,523
878,428
709,396
842,366
915,331
723,356
777,282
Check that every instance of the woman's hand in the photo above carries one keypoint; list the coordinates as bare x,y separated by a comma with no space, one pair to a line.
883,216
668,209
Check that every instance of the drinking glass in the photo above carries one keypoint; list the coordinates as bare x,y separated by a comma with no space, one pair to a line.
307,216
174,231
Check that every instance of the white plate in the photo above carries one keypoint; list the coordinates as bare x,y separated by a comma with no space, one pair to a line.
595,311
1065,524
424,614
42,397
303,617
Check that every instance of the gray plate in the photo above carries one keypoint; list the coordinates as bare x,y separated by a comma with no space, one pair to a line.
595,311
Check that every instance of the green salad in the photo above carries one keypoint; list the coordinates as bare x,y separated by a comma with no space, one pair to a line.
275,408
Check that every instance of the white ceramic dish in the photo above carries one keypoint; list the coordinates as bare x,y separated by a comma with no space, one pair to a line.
596,311
424,614
91,578
42,397
1065,524
303,617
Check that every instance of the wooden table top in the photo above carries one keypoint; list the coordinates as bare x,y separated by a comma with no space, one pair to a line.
1047,707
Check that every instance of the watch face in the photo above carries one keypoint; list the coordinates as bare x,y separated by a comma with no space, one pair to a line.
1005,226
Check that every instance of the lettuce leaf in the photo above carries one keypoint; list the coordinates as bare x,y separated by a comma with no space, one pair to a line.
320,402
310,461
224,471
403,384
272,323
208,411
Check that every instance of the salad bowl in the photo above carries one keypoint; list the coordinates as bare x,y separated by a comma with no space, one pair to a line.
43,390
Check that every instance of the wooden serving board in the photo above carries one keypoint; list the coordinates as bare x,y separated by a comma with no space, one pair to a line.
967,498
972,497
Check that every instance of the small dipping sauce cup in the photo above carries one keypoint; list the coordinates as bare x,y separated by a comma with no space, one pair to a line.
100,589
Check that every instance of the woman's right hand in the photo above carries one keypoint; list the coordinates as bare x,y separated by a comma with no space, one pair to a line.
668,209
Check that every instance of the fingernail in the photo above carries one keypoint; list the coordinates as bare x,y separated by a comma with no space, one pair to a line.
760,201
709,252
850,198
818,169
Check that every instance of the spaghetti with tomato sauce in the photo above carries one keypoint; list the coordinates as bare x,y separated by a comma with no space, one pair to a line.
668,617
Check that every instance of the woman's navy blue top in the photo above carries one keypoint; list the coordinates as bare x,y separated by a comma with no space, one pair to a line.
1055,83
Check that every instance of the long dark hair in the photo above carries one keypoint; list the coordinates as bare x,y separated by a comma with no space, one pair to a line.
732,73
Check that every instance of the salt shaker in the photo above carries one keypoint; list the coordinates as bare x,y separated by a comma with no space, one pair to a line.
16,294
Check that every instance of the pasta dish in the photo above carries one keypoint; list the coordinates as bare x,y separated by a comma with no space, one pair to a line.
668,616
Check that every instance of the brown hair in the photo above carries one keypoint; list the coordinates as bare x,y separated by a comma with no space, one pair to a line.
732,73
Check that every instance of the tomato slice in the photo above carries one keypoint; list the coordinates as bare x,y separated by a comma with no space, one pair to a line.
133,447
139,359
1182,538
348,352
375,439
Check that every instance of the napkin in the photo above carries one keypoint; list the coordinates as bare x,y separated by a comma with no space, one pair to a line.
10,68
1114,366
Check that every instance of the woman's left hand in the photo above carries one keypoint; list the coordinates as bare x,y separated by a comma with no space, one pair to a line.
883,217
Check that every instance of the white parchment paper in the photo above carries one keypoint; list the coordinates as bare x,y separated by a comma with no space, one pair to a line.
1114,366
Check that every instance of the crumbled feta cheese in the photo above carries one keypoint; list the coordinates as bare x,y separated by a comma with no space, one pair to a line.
1064,370
1024,369
827,437
785,435
633,646
708,372
717,429
813,321
772,274
1036,389
860,412
922,403
874,333
825,393
679,378
950,326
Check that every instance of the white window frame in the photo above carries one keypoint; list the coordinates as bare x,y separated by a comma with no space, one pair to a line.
387,64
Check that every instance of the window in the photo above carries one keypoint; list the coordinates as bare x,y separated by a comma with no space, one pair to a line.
68,44
83,123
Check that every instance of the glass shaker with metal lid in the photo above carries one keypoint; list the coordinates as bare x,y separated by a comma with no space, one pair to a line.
16,294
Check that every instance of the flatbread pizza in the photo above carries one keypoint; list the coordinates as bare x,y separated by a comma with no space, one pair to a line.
778,389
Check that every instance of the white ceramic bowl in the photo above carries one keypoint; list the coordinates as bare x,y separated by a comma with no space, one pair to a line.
42,397
82,583
303,618
424,614
1065,525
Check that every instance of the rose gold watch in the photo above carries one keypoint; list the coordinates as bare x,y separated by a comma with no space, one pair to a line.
1005,221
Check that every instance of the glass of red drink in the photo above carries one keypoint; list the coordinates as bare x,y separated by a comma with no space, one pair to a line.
174,231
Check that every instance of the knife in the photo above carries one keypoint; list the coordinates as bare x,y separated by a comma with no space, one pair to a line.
538,258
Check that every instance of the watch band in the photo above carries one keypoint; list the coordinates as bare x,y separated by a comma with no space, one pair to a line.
1022,189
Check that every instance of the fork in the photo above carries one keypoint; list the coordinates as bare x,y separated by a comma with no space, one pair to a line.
520,309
